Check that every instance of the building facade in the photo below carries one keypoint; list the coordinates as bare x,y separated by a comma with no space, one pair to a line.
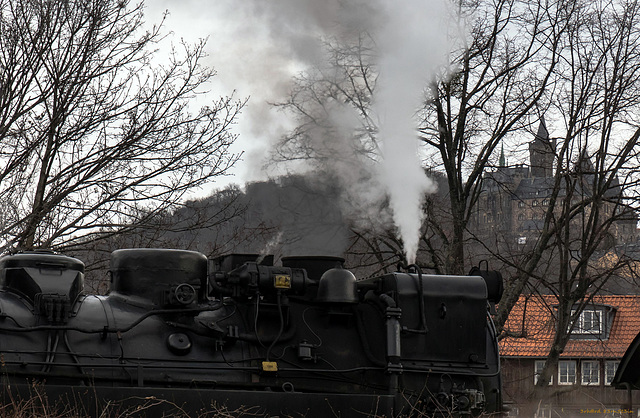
515,199
580,385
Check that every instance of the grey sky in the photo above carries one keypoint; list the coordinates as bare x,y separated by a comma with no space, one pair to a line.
257,45
250,57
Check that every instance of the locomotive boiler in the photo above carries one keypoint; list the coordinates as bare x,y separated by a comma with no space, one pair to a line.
304,338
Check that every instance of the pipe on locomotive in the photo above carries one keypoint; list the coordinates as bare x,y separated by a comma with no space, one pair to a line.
423,319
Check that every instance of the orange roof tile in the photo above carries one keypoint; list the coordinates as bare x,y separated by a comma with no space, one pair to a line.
531,326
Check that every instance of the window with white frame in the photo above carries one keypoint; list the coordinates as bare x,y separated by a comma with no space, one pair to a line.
590,372
610,368
537,371
567,372
589,322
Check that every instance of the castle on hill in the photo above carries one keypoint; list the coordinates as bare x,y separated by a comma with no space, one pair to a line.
515,199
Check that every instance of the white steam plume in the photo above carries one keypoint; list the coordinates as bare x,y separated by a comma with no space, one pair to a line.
411,42
410,45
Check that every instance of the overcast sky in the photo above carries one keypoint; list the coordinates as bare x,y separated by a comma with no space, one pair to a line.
257,45
248,59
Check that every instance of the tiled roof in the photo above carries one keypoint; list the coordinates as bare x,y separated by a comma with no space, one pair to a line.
534,339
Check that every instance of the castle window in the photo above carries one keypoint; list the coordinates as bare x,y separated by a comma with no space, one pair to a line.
535,202
545,202
521,204
521,217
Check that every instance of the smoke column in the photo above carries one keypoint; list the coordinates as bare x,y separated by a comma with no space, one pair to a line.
411,42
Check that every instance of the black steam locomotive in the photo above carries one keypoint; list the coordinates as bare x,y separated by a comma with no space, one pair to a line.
302,339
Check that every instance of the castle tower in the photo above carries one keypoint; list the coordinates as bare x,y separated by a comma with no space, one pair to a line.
542,152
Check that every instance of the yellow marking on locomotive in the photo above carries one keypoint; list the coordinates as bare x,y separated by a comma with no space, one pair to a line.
269,366
282,281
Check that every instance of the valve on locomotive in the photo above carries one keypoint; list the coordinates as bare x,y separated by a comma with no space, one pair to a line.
456,400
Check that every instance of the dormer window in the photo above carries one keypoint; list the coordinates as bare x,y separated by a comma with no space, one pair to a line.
589,322
594,322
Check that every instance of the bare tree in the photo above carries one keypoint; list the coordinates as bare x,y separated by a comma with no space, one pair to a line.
497,75
501,72
96,132
576,62
593,189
